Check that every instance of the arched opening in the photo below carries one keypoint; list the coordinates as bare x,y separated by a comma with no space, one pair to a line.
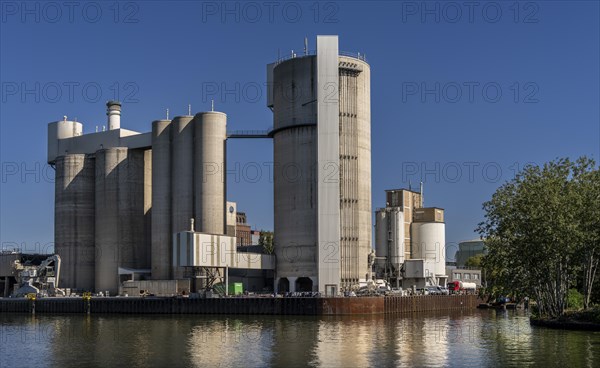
304,284
283,285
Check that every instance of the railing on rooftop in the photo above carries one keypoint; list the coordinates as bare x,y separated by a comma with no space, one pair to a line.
293,55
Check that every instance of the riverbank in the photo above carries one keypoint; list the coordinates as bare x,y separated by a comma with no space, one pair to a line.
572,320
242,305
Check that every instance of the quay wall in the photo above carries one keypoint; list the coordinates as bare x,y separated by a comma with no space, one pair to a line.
249,306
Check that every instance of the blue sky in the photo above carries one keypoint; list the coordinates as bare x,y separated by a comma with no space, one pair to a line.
463,94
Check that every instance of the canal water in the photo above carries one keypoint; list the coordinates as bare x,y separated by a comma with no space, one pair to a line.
478,338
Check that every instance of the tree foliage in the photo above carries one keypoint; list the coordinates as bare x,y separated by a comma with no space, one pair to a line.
541,233
474,261
266,241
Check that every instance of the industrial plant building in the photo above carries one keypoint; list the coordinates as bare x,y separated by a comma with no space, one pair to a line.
152,207
410,241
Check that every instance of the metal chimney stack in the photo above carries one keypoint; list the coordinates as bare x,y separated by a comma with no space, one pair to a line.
113,111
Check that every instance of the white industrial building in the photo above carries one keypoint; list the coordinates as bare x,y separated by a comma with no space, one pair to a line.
410,241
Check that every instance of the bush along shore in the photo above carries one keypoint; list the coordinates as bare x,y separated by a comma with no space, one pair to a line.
586,320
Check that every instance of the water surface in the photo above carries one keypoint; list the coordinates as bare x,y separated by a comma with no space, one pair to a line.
478,338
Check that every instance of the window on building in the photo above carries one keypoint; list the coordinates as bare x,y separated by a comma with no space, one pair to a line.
467,276
475,276
456,276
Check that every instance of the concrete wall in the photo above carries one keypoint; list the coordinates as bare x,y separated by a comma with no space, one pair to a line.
161,200
337,256
91,142
355,97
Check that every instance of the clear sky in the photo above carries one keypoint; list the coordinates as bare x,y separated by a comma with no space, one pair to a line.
462,93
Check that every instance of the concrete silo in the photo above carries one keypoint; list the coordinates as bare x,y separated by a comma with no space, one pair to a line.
209,171
74,220
381,233
295,181
182,173
390,240
161,199
322,169
119,227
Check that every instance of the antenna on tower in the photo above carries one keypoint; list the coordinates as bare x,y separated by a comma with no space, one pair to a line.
212,105
421,191
189,109
305,45
167,114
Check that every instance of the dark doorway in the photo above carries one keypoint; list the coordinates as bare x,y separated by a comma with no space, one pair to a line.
304,284
284,285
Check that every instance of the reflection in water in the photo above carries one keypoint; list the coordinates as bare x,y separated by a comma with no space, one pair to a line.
472,338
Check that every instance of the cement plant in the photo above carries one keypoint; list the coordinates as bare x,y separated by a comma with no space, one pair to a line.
147,213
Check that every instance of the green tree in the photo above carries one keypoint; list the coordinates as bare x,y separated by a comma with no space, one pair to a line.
474,261
266,241
587,191
535,234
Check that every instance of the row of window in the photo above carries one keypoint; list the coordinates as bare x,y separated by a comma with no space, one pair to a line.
465,276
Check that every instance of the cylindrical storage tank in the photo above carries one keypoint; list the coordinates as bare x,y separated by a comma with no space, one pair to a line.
381,233
61,130
161,200
119,214
396,233
295,159
429,242
182,175
74,222
209,171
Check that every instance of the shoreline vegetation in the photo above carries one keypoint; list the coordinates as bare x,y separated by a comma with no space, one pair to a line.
542,239
586,320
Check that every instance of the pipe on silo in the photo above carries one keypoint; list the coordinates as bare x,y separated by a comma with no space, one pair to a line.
74,222
182,178
396,230
161,200
209,171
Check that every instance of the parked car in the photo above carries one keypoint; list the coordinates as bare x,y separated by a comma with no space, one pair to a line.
433,290
442,290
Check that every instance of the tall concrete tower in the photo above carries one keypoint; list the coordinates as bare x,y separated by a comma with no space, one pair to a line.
322,177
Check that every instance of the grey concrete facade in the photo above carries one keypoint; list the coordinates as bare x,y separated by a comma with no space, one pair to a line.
209,171
74,213
161,200
322,155
120,238
329,178
182,174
